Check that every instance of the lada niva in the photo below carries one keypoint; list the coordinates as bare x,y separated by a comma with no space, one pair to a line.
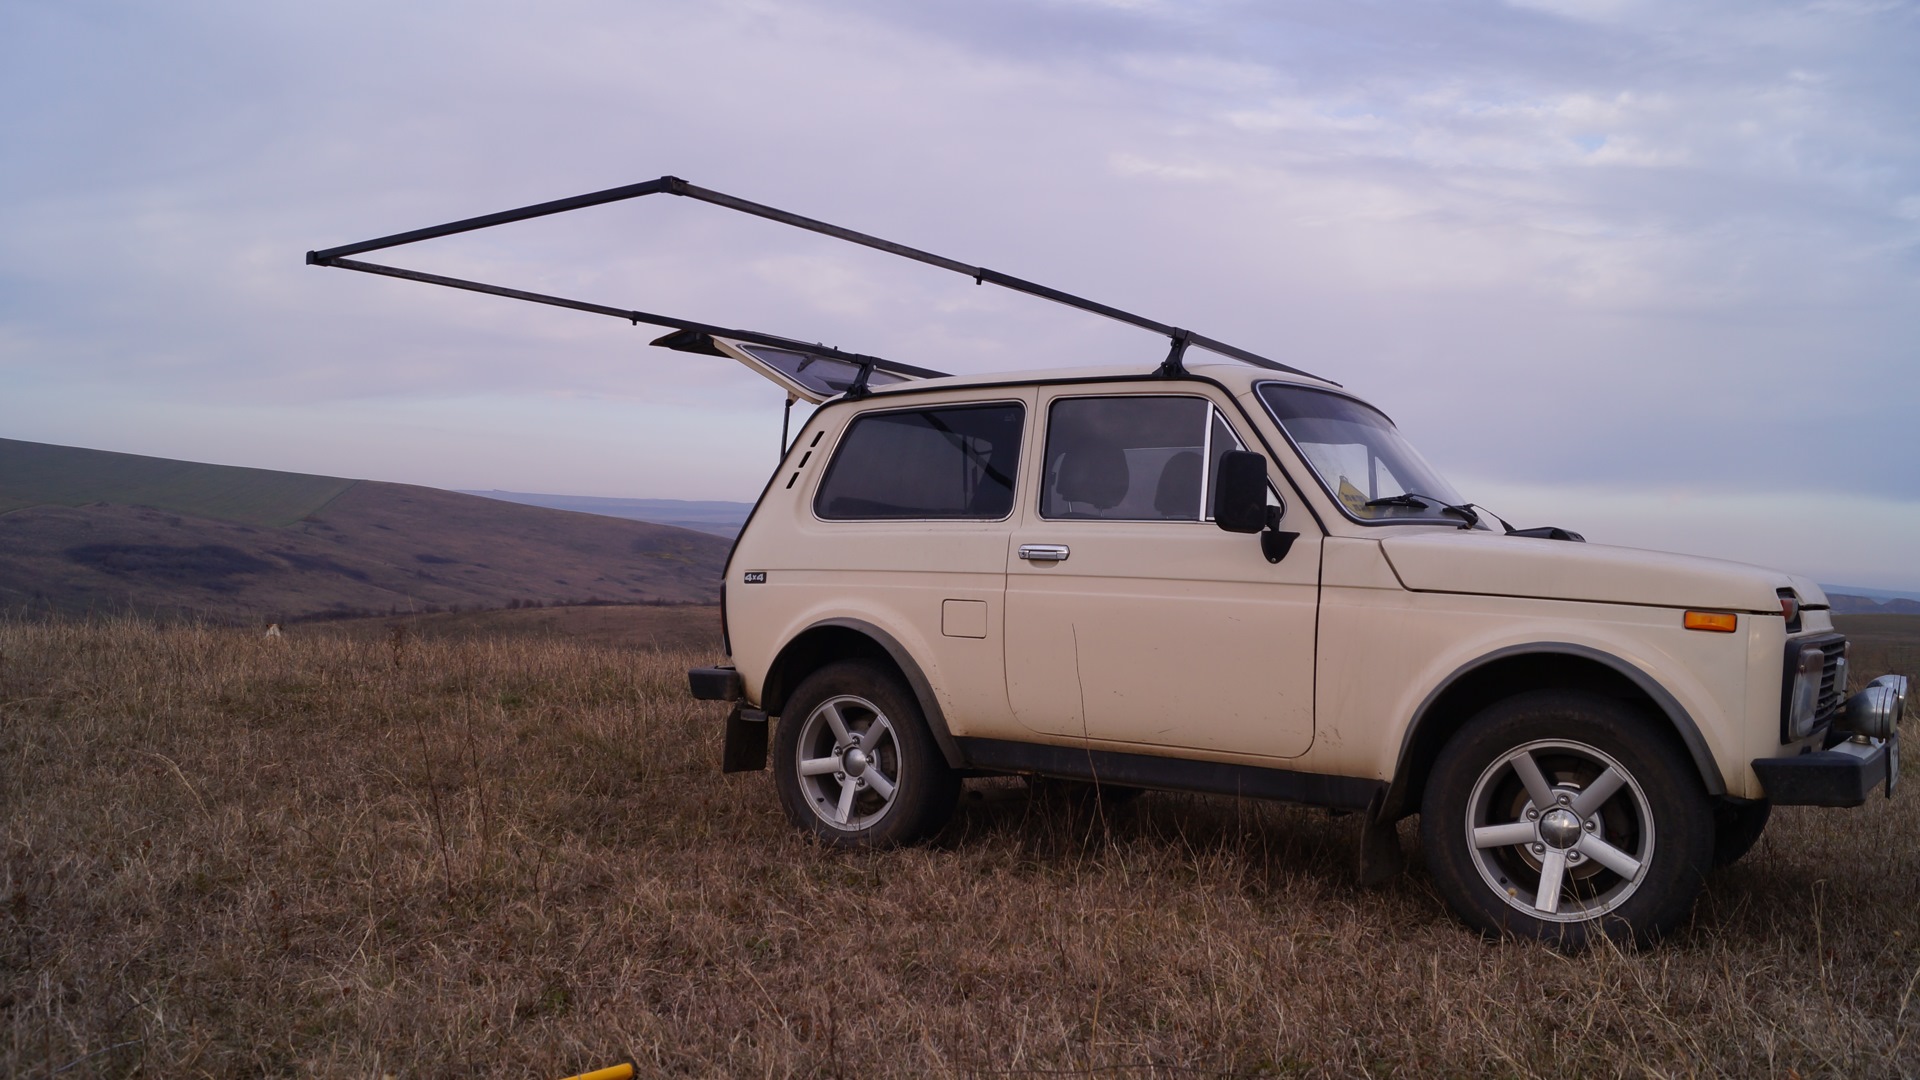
1231,576
1246,582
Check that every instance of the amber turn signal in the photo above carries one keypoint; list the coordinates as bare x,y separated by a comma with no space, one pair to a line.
1719,622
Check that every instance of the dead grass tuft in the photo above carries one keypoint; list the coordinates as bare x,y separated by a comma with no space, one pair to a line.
226,855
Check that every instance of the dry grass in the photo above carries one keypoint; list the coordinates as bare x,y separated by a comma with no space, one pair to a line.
337,856
647,627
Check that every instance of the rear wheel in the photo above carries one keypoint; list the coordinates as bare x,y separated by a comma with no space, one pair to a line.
1562,816
854,762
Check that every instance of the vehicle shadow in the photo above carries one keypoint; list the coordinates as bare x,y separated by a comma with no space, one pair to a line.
1265,843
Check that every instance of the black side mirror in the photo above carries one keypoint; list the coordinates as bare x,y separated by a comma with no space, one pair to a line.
1240,503
1240,492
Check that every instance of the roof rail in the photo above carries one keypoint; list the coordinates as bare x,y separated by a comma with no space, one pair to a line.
341,257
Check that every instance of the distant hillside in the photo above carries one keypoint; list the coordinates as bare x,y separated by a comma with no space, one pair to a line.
85,530
1851,604
38,474
1858,600
712,515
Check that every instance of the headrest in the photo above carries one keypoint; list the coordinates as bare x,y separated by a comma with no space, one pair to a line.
1178,495
1095,474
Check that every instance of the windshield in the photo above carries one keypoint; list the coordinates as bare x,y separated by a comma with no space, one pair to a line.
1359,456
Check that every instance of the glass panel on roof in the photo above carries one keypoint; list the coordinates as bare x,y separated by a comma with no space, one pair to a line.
824,376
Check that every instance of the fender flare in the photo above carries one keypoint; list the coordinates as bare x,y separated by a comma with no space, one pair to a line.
1676,713
916,680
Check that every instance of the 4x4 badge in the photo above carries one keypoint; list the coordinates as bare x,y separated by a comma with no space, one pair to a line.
756,577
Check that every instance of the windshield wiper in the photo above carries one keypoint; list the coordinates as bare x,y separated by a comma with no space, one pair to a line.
1415,499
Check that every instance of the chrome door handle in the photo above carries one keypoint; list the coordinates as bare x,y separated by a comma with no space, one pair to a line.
1044,552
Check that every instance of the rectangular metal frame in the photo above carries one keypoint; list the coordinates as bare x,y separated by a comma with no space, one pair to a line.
342,257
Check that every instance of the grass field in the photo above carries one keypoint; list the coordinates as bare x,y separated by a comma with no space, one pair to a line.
649,628
348,853
1877,644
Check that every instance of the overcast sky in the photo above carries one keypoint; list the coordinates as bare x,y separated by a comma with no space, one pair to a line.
1647,270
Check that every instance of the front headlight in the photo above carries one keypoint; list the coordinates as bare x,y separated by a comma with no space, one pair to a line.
1804,700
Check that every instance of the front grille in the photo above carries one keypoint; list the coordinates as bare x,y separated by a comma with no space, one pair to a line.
1833,681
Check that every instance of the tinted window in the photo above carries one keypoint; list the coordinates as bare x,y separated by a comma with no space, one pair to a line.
1131,458
950,463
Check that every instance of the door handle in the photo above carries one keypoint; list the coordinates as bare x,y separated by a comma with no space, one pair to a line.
1044,552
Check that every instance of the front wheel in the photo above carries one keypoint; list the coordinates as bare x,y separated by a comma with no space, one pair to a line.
1562,816
854,762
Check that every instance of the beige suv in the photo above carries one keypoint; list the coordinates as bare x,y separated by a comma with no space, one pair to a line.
1237,578
1244,581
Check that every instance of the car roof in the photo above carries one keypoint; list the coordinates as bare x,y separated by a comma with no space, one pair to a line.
1234,375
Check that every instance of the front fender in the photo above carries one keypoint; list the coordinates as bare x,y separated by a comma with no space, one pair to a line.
1676,713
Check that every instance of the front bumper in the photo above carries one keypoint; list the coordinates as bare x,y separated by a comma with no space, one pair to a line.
1843,775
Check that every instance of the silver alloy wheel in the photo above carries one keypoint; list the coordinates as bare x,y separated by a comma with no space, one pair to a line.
848,761
1560,830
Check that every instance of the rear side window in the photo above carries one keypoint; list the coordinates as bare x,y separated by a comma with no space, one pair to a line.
952,463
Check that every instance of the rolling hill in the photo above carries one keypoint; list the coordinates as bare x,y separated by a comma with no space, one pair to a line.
89,530
39,474
704,515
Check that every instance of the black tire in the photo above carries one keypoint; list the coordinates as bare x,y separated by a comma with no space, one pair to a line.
1736,828
854,762
1628,829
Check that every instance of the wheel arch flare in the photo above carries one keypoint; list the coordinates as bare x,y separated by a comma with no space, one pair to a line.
1516,669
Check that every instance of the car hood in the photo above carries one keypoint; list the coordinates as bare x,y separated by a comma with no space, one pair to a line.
1491,564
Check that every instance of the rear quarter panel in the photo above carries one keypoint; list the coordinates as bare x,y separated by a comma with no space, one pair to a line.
894,575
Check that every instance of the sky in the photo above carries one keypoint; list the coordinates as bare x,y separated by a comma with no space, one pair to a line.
1649,271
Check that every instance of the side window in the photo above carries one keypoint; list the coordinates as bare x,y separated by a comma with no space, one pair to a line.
953,463
1133,458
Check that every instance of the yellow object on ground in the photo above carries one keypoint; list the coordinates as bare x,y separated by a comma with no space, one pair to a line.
611,1072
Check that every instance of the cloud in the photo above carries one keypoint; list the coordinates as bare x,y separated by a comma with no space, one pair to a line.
1589,243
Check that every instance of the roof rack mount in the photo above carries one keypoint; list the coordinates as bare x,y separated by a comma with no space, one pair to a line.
341,257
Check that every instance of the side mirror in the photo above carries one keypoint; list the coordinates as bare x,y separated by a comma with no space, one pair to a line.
1240,492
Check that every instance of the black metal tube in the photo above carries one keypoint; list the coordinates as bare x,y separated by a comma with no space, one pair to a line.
978,273
487,221
717,198
1224,349
753,337
337,256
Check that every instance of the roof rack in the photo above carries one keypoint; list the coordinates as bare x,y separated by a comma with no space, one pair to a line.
694,334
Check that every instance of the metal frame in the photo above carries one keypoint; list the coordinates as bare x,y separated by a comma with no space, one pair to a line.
694,332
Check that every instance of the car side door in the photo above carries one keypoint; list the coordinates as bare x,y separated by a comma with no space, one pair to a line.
1132,619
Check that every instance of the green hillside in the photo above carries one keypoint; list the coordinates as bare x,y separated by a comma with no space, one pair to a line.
86,531
36,474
